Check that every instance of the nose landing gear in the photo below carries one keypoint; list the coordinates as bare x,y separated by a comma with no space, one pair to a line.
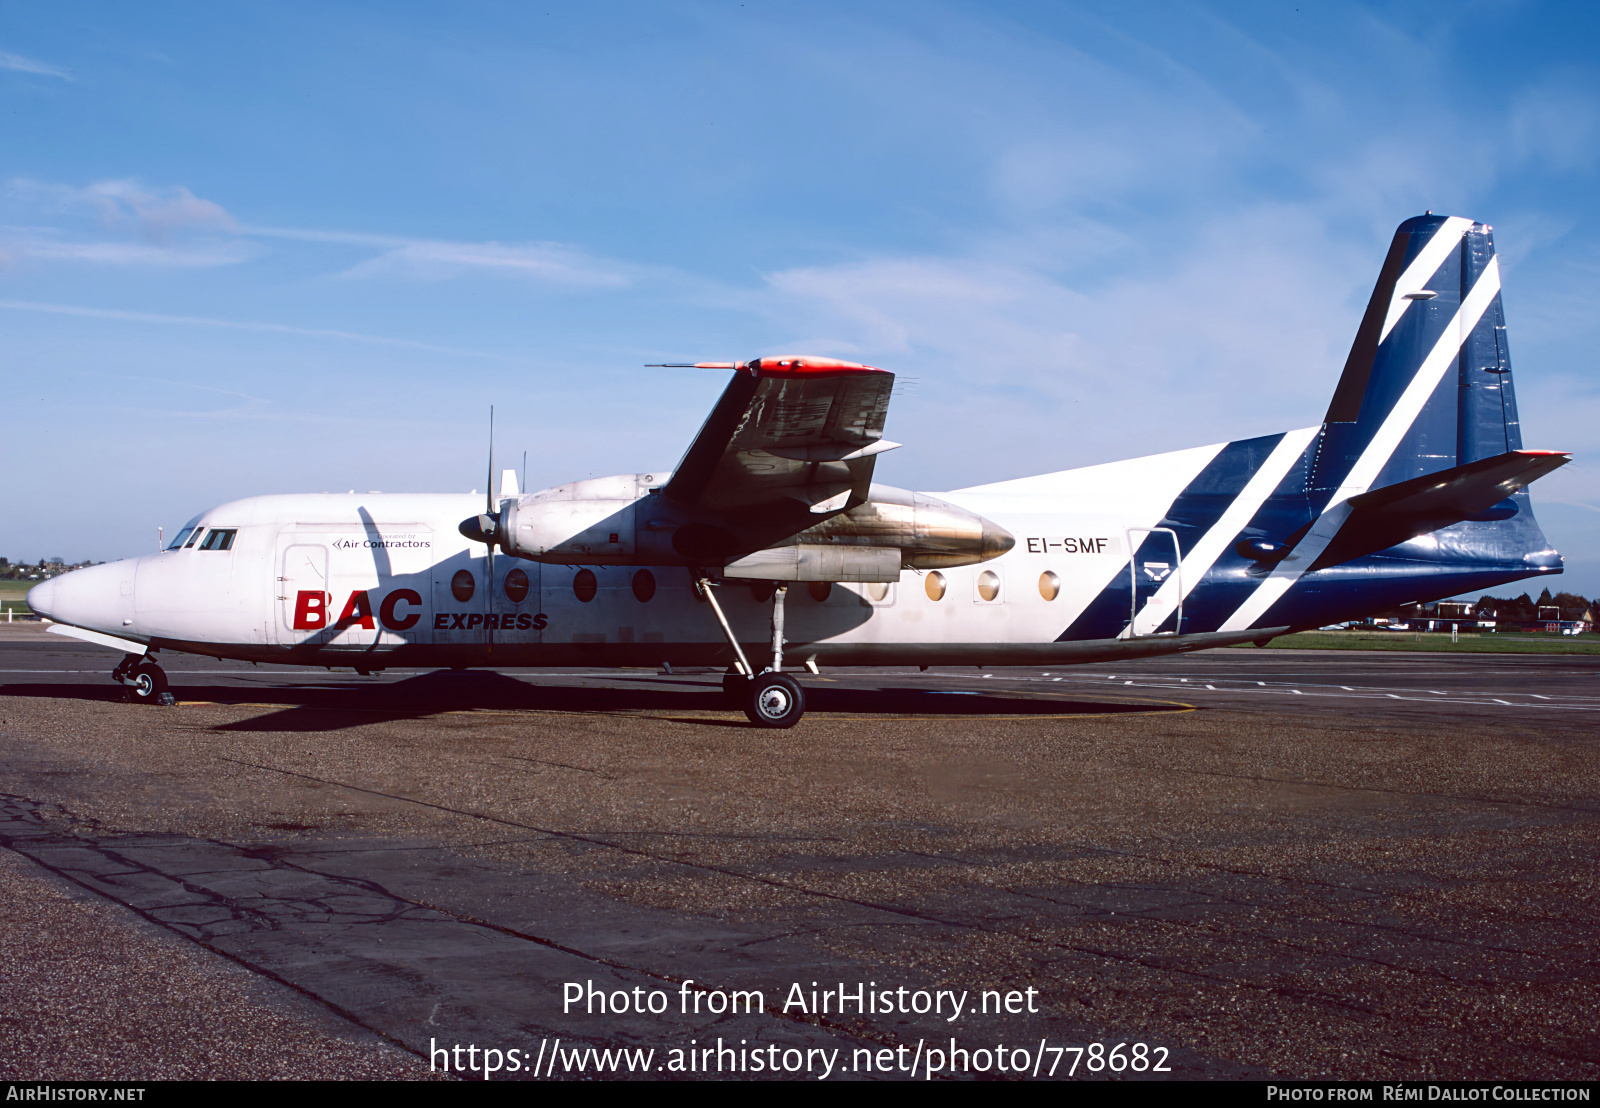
146,681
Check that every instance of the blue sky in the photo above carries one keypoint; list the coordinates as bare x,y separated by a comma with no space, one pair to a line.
254,248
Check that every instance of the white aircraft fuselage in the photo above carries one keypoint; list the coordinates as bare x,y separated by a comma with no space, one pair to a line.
375,580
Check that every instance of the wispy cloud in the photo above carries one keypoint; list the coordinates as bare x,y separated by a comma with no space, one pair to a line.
155,214
19,64
172,227
1253,308
233,325
120,223
432,260
440,261
44,244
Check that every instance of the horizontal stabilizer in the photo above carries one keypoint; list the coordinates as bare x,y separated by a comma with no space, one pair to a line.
1395,513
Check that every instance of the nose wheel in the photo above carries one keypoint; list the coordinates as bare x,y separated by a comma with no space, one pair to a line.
148,685
146,681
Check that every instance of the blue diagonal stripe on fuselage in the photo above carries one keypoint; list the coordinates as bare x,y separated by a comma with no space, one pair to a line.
1195,510
1233,577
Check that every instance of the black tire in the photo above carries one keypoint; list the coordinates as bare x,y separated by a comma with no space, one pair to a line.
147,683
774,700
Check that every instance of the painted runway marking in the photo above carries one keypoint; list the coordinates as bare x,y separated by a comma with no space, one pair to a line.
1247,684
1253,687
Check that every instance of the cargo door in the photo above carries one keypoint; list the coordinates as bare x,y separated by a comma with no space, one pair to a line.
303,596
363,588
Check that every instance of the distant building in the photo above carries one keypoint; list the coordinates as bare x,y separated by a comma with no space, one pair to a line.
1460,615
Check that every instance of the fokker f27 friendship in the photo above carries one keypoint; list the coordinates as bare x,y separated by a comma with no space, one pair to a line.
769,544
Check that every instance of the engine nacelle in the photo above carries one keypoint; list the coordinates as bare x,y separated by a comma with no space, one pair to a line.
617,521
580,522
895,529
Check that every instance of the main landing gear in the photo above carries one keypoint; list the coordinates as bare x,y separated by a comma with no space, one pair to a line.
771,698
146,681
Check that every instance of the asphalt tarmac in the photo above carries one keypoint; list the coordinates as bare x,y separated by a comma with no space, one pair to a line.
1240,863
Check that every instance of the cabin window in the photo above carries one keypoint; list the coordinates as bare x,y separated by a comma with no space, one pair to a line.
820,591
462,585
644,586
989,585
1049,585
933,585
878,591
516,585
219,540
585,585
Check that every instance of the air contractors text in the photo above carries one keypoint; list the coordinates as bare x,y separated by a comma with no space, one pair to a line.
371,544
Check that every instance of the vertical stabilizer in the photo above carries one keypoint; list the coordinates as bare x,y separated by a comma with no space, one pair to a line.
1427,385
1426,390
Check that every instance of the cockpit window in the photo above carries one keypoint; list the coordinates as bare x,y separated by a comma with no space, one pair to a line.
198,531
219,540
184,536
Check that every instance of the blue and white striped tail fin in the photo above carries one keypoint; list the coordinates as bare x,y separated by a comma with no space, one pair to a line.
1413,488
1426,391
1427,385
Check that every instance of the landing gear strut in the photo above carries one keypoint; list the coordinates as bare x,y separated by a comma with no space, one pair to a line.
146,681
770,698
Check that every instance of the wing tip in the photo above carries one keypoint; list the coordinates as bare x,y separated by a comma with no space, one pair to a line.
808,365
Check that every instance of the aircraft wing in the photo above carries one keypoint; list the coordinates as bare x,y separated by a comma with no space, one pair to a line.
792,437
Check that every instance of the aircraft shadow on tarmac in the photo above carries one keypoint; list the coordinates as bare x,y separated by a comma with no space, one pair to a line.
333,706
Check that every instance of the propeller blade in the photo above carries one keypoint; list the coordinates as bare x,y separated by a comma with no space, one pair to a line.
494,518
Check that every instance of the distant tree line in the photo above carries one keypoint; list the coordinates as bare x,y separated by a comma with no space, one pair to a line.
46,567
1522,609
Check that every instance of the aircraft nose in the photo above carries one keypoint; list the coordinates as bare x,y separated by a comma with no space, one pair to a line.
42,598
94,596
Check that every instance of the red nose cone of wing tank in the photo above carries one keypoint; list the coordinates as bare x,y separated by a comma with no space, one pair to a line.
807,365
